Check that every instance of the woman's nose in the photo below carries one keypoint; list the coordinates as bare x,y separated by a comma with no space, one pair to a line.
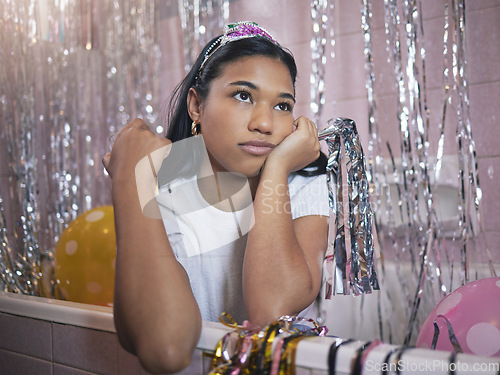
261,120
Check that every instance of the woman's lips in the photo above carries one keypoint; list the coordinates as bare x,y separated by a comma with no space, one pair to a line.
257,147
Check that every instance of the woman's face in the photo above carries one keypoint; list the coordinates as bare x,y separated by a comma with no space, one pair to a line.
248,111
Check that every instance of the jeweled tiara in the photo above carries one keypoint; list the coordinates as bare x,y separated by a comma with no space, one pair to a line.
236,31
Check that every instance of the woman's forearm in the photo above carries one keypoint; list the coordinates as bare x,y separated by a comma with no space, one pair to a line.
156,315
279,277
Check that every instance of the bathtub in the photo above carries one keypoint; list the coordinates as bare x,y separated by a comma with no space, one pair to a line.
45,336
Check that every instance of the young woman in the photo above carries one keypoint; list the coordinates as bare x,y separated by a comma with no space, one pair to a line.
237,148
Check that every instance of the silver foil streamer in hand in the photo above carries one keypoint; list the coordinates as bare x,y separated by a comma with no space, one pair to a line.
352,269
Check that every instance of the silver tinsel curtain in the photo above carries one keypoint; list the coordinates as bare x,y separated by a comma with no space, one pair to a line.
440,251
72,73
432,254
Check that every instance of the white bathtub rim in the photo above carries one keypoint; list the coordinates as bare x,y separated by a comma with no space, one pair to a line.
86,315
312,353
57,311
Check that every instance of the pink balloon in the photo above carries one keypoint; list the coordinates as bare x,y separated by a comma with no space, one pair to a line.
473,311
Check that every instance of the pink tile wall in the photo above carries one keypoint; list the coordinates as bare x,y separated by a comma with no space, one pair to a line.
484,77
14,363
172,59
36,347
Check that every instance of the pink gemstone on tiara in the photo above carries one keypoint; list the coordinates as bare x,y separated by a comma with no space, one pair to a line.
245,29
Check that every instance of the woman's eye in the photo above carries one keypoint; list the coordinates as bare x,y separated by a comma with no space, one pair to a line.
242,96
284,107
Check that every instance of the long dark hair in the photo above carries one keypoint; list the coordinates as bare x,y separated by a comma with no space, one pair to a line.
178,117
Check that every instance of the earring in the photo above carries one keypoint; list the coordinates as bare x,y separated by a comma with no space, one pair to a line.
195,130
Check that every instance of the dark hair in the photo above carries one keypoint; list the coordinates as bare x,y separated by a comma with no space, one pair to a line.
179,122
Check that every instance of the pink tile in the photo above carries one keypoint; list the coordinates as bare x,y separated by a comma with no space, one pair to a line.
388,124
331,111
355,109
168,9
483,33
344,80
489,240
302,54
485,117
483,4
434,59
302,110
489,174
385,77
13,363
170,42
378,15
348,17
26,336
302,371
297,27
65,370
85,349
128,364
333,73
433,9
169,79
319,372
8,204
435,102
4,155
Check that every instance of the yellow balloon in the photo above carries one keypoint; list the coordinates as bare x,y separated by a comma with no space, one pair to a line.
85,258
